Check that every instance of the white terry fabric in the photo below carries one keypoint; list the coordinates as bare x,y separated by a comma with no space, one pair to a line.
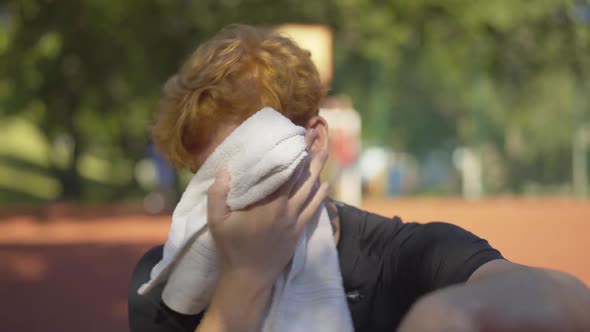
260,155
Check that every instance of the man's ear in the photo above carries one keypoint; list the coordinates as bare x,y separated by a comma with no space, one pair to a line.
320,125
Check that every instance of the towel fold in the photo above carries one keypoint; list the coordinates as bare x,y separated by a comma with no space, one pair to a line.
260,155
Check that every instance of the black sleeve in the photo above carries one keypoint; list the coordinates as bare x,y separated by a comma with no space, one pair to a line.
438,254
148,313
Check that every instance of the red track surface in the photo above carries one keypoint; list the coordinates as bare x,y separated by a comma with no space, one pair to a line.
68,270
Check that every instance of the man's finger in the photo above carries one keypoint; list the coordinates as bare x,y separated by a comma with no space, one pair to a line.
291,186
299,176
216,197
308,212
315,168
310,136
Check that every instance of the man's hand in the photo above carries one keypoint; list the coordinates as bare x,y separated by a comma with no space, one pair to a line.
504,297
260,240
257,243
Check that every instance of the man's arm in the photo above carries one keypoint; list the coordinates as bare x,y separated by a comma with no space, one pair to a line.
503,296
238,304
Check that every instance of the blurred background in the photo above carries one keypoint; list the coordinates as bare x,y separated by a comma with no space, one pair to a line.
472,112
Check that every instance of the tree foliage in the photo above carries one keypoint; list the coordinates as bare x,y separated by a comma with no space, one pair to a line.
507,77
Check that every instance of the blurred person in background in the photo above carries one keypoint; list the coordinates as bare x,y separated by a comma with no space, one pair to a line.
397,276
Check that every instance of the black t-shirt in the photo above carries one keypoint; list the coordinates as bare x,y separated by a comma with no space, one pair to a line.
386,266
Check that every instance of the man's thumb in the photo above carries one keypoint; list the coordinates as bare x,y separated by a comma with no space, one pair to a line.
216,197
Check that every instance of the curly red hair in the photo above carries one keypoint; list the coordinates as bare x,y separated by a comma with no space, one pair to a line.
228,78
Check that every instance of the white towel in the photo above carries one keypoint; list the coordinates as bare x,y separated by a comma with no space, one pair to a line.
260,155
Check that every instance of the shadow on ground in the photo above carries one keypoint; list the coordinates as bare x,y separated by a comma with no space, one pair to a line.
80,287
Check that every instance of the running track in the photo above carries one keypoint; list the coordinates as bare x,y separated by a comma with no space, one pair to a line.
66,271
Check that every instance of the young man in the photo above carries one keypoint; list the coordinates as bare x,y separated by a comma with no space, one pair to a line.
397,276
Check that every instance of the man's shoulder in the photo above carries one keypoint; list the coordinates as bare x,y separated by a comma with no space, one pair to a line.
362,223
391,238
349,213
370,227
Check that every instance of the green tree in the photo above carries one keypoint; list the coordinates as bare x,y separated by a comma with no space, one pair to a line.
505,76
